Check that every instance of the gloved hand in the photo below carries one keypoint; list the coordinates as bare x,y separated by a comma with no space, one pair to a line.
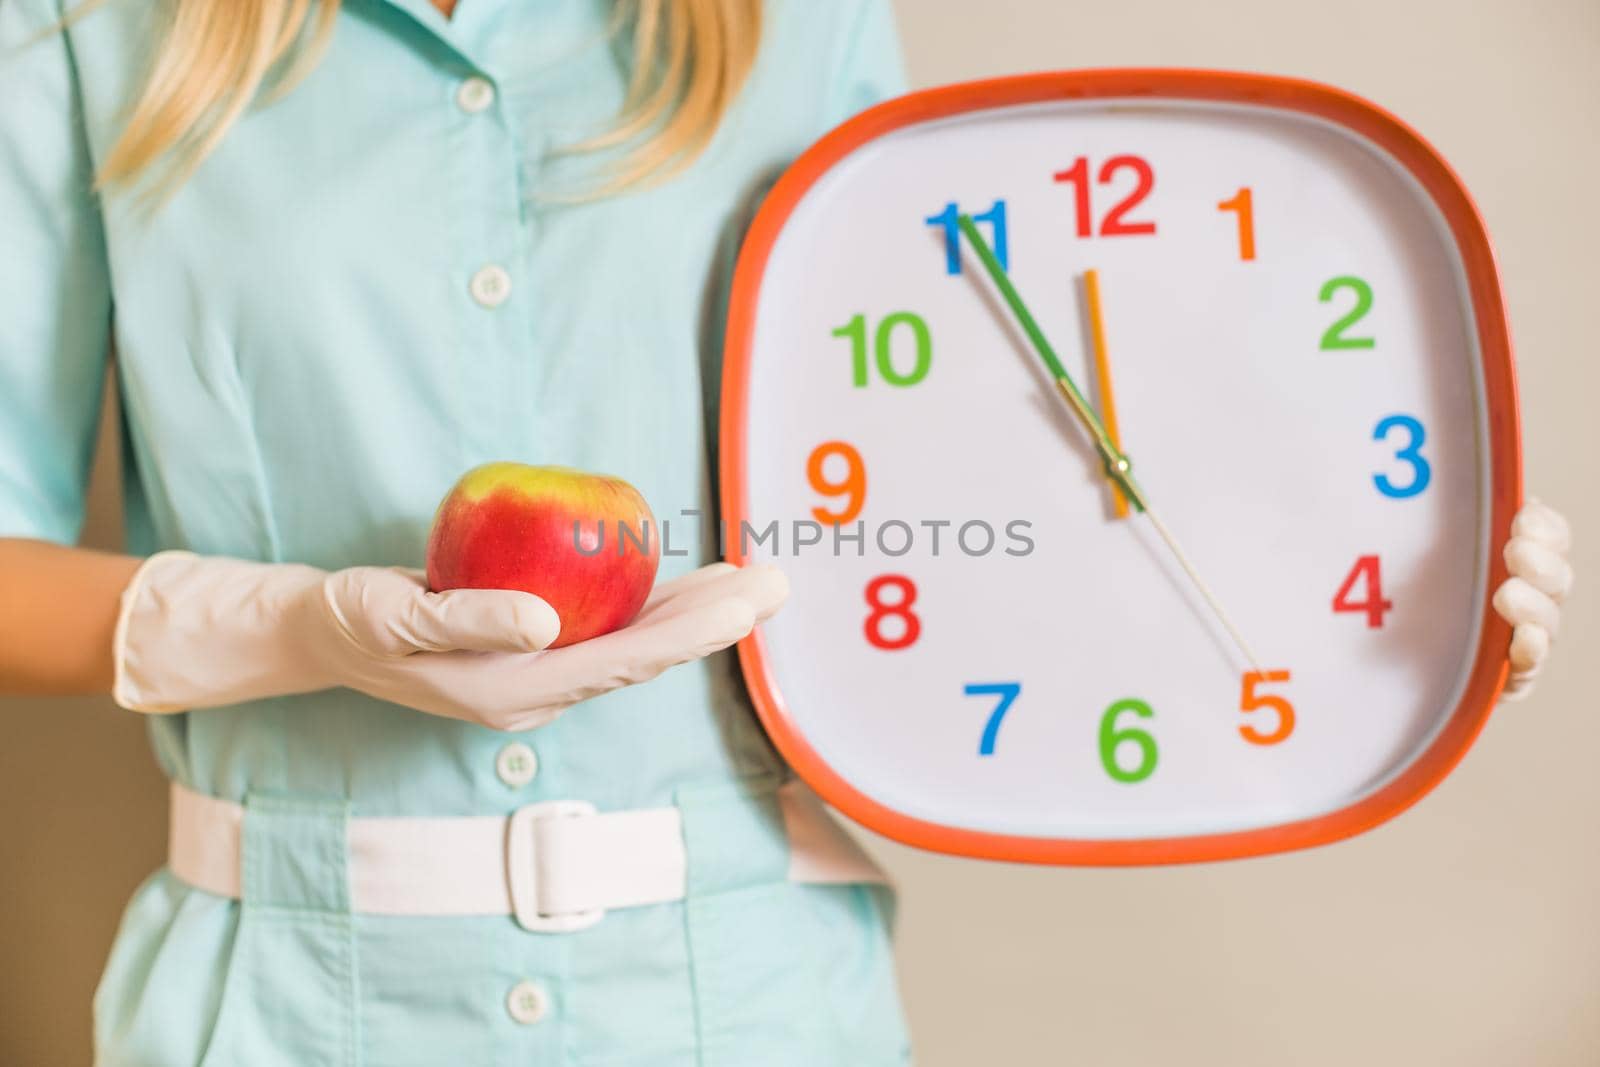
202,631
1530,600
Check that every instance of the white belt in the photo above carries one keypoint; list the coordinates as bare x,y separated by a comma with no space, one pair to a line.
555,866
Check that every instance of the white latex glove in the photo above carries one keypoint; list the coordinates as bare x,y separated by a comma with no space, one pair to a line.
203,631
1530,600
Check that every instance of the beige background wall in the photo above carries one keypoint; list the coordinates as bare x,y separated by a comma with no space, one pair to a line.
1465,934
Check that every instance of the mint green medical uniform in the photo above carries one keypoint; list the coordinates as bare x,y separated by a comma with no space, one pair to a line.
371,286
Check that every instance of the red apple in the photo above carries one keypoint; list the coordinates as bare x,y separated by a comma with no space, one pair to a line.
552,531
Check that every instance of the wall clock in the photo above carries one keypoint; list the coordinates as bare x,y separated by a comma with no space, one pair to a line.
1138,444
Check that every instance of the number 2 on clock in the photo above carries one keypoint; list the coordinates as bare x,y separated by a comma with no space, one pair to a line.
1334,338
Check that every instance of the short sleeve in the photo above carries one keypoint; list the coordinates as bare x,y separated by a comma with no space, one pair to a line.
55,303
871,67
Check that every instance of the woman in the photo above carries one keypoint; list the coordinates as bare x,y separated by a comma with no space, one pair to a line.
388,275
353,251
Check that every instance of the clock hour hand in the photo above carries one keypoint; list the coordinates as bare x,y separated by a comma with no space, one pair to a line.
1102,370
1118,466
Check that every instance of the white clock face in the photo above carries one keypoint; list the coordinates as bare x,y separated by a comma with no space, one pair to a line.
1290,362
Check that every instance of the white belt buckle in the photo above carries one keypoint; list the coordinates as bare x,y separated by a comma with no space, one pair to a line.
523,867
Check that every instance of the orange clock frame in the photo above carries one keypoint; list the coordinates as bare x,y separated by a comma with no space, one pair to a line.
1489,670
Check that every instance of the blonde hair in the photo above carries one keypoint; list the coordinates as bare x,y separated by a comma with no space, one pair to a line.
690,58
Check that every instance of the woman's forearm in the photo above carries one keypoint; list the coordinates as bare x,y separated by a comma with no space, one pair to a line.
58,611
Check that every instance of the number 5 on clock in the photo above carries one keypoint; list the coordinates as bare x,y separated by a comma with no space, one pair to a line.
1251,700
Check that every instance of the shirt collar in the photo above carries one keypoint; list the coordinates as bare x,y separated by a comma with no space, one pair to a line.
464,33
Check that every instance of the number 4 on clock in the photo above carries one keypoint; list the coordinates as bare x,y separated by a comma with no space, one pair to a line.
1374,607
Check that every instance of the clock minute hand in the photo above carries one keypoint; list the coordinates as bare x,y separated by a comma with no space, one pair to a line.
1118,466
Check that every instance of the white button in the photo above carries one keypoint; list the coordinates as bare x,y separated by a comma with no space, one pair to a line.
516,765
475,95
527,1002
491,286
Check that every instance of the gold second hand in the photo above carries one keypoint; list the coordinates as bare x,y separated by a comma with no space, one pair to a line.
1122,469
1117,462
1205,590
